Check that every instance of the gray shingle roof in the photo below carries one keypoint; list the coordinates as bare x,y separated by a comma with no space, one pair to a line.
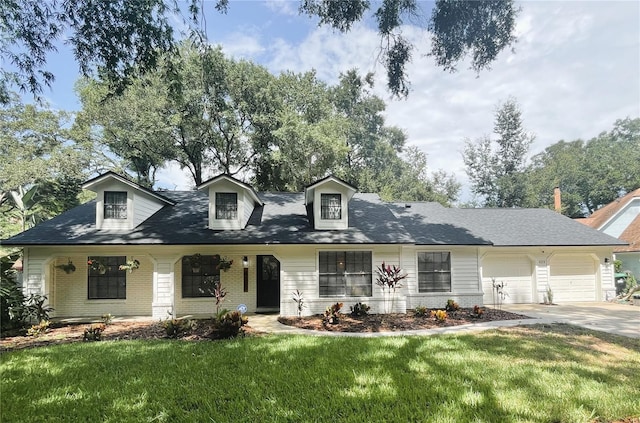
283,219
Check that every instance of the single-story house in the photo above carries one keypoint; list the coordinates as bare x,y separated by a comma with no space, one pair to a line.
621,219
325,242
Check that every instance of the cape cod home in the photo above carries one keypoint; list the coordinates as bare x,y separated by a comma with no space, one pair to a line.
325,242
621,219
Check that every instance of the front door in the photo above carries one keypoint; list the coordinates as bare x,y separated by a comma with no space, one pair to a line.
268,283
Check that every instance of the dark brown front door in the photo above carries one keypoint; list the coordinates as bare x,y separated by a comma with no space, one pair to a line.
268,283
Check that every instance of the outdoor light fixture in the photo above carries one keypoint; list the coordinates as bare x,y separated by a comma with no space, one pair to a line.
245,273
606,260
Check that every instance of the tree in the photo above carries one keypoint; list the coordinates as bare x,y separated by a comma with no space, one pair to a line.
497,174
39,160
590,174
120,40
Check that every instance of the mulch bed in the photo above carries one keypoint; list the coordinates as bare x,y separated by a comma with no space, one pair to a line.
119,330
397,321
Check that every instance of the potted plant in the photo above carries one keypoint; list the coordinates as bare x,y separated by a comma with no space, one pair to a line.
130,265
196,262
96,266
68,268
224,264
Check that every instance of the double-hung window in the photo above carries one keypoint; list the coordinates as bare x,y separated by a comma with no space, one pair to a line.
199,275
115,205
106,280
226,205
434,271
345,273
330,206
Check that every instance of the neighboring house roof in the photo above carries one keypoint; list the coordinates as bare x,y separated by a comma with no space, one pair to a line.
601,218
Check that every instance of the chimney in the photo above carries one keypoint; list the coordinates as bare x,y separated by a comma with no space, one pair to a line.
557,199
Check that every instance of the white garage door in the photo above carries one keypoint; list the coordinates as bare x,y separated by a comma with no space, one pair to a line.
572,278
515,271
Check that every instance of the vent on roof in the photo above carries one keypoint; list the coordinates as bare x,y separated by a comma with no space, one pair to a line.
407,206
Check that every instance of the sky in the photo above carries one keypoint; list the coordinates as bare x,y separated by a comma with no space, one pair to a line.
575,70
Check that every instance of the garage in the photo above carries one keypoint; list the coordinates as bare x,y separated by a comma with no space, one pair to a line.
516,271
572,278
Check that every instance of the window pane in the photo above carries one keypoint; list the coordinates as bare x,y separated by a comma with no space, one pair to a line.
226,205
434,271
345,273
199,274
115,205
330,206
105,280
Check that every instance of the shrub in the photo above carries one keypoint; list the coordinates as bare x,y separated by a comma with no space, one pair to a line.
94,332
478,311
421,311
39,329
174,327
13,311
332,314
107,318
451,305
360,309
548,298
439,315
228,324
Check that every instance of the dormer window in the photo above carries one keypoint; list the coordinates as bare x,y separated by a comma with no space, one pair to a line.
226,205
331,206
115,205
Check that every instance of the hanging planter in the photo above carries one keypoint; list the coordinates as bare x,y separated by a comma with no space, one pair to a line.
196,262
225,264
68,268
96,266
130,265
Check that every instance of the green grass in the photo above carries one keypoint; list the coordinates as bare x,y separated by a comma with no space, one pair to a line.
539,374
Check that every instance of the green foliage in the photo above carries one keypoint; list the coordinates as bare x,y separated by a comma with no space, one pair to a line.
360,309
36,308
38,329
107,318
228,324
176,327
589,173
13,311
332,314
94,332
548,296
498,174
421,311
451,305
298,298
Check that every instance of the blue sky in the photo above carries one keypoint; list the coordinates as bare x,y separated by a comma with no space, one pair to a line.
575,70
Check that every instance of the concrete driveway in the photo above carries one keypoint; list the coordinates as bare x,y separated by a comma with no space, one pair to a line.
621,319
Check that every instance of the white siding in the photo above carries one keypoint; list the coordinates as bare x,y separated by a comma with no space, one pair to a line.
515,271
465,288
143,208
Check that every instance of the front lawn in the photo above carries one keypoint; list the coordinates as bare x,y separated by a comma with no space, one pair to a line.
537,374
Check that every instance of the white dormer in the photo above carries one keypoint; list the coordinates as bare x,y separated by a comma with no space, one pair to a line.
122,204
329,198
231,202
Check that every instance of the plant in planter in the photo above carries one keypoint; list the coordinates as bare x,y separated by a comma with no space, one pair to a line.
96,266
130,265
299,300
360,309
477,311
196,262
389,279
332,314
439,315
224,264
451,305
68,268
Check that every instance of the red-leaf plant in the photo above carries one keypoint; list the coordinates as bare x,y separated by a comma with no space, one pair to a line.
389,279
